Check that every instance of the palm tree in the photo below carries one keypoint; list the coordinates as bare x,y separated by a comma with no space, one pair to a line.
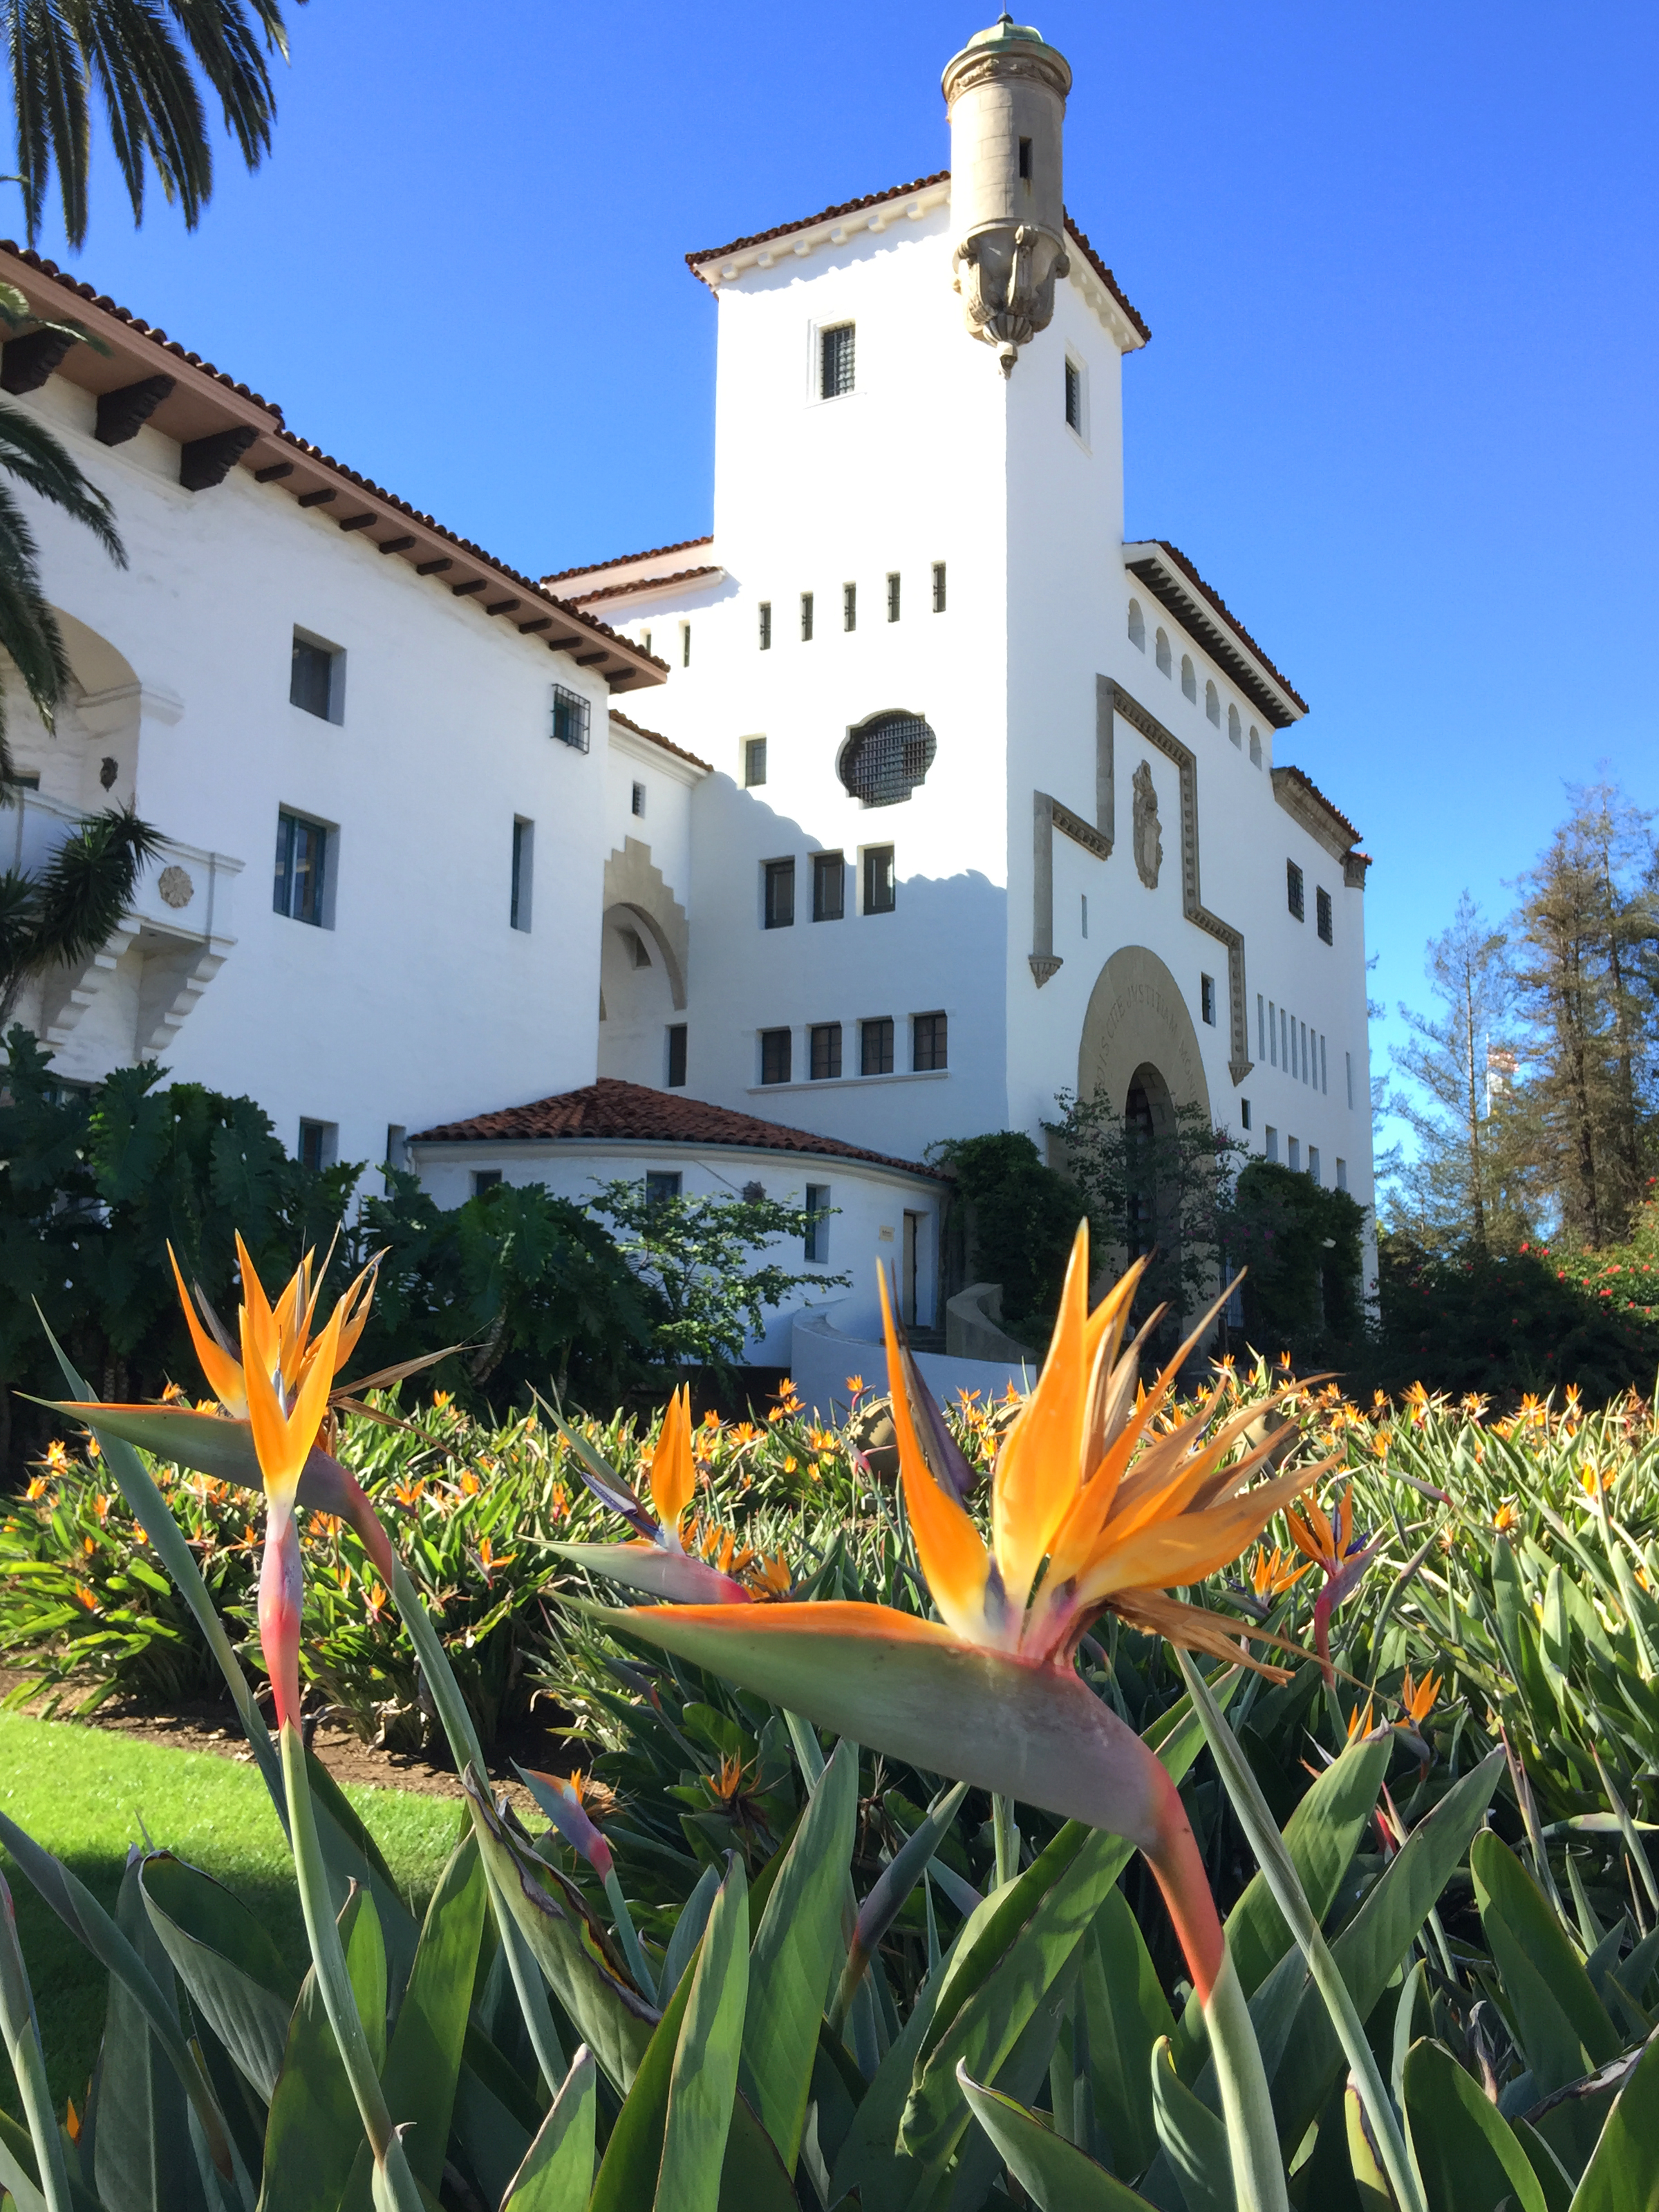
66,911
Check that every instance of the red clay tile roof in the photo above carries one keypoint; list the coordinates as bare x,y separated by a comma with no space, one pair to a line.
622,559
667,743
1335,812
693,261
629,1112
643,584
1233,623
1206,617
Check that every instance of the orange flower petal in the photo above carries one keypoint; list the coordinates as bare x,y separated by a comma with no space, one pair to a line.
673,1476
1039,1472
224,1374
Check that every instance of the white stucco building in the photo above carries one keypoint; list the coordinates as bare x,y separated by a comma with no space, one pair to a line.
909,799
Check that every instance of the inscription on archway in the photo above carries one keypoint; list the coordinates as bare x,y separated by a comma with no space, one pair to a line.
1136,1018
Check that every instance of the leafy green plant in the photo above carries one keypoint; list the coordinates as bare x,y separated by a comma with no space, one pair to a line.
1020,1215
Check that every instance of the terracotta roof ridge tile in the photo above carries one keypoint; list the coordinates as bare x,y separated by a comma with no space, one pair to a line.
622,559
644,583
657,737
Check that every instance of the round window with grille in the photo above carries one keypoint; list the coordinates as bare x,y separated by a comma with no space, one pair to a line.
885,758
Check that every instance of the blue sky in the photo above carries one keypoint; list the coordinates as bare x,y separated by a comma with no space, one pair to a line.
1399,265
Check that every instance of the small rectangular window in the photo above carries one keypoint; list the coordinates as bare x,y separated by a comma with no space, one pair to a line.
570,713
939,587
646,639
1313,1163
396,1144
826,1051
314,678
1322,915
1084,896
879,885
523,852
1272,1034
835,361
1324,1086
766,625
1342,1175
1074,397
754,761
1025,160
485,1179
1270,1141
893,589
1261,1027
829,887
319,1143
876,1047
1294,1154
662,1185
1244,1112
849,607
1293,892
685,645
1348,1058
1206,998
301,867
677,1055
638,800
929,1041
775,1056
806,617
779,894
818,1226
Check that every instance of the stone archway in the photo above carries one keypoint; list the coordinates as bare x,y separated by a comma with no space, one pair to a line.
1137,1018
636,887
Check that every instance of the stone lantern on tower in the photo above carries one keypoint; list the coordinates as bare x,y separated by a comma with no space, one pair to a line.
1005,97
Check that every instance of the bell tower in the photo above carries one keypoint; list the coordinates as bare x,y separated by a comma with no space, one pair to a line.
1004,94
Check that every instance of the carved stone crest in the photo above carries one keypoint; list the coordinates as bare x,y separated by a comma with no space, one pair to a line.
1148,836
175,886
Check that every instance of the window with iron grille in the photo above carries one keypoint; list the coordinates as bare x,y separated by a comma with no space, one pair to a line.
754,761
928,1042
1074,397
1206,998
805,617
939,587
685,645
662,1184
779,894
677,1055
302,865
775,1056
638,800
885,758
836,360
893,595
1293,891
849,607
825,1040
876,1046
829,886
879,885
766,625
817,1209
1322,915
570,712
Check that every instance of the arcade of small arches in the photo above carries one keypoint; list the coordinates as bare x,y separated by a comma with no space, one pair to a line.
1165,660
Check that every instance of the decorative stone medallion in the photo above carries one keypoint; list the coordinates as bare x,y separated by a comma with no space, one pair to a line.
177,890
1148,836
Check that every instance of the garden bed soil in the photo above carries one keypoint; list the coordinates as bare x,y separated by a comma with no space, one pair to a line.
536,1742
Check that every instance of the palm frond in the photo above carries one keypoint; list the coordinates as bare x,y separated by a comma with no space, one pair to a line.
88,883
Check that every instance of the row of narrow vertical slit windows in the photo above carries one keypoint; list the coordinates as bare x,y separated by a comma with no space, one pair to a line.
849,607
1165,660
1284,1042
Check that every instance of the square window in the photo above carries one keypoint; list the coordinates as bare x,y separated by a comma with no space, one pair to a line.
929,1041
661,1185
876,1047
754,761
677,1055
1294,897
818,1227
319,1143
893,590
879,885
637,802
849,607
570,713
826,1051
835,361
806,617
779,894
485,1179
1074,397
524,857
302,868
829,886
1206,998
776,1055
939,587
1322,918
314,680
766,625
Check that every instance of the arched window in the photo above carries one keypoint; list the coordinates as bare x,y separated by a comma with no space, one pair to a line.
1188,677
1137,626
1256,746
885,758
1233,730
1161,649
1213,704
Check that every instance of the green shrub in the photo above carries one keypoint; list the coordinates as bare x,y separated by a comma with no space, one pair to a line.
1021,1219
1300,1244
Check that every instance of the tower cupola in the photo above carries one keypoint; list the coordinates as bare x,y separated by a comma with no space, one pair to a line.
1004,94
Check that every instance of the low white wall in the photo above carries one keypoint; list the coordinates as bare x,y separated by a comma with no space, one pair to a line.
822,1356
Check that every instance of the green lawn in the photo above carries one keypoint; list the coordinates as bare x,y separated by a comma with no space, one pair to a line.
83,1793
